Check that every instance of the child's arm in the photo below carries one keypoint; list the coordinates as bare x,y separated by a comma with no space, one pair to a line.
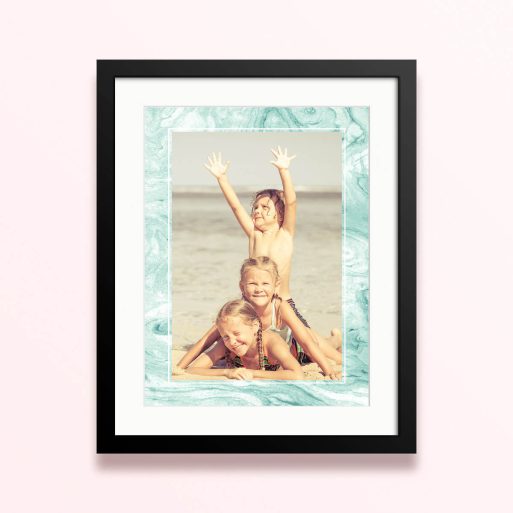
218,169
279,350
203,364
201,345
276,347
282,162
305,339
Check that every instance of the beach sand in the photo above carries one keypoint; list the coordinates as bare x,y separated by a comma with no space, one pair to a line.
208,250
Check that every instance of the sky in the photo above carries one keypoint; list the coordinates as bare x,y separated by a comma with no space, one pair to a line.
318,159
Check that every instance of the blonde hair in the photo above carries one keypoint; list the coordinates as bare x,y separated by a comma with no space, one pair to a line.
262,263
238,308
276,196
243,310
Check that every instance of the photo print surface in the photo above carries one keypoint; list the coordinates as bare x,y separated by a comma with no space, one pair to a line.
196,243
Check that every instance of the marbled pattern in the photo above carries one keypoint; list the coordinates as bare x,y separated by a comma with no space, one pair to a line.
353,123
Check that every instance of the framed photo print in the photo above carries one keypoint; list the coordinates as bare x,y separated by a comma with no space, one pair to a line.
256,256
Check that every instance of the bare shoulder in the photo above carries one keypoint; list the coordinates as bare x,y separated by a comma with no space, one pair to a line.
272,339
277,348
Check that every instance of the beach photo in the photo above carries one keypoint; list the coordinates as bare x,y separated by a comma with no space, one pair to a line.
256,256
209,247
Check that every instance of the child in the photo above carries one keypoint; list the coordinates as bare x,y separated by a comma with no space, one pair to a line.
250,352
259,282
270,229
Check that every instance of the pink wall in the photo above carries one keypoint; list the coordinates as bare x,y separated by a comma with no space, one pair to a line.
47,257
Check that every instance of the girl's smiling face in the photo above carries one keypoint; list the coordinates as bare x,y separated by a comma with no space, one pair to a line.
238,336
264,212
258,287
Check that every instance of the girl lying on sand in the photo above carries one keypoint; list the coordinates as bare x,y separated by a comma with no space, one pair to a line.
231,337
249,351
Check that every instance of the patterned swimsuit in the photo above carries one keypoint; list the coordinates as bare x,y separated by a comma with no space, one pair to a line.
263,359
296,350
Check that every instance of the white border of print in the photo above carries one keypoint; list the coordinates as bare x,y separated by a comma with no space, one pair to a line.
131,417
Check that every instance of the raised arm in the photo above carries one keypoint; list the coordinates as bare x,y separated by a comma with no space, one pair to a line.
218,169
282,163
201,345
305,339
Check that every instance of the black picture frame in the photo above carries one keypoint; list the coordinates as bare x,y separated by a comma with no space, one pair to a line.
405,72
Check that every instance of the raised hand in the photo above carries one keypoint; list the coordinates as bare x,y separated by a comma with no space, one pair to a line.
282,159
216,167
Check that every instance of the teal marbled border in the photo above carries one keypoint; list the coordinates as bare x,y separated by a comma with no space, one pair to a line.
353,122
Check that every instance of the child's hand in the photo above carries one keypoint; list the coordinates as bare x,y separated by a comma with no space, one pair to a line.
240,373
282,159
334,375
217,168
178,371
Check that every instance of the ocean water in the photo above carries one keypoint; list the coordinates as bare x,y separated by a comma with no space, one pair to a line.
194,248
